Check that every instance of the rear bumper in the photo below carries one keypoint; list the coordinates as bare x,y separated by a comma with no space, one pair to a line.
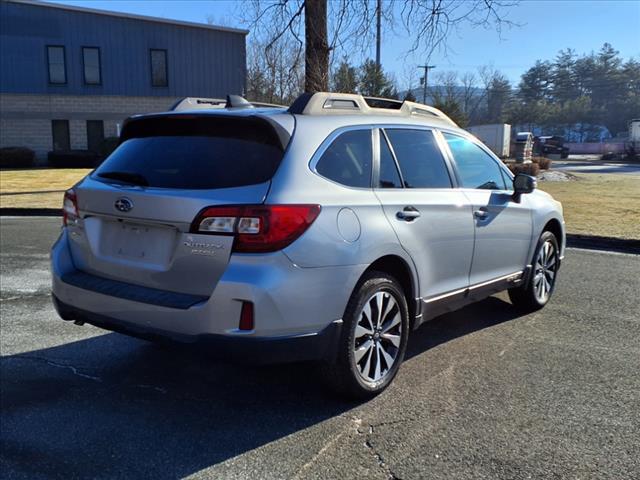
238,349
297,310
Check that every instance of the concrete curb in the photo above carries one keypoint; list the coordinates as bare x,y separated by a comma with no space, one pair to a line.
591,242
610,244
30,212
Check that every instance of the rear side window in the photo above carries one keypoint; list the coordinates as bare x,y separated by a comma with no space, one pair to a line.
194,153
420,159
348,159
476,168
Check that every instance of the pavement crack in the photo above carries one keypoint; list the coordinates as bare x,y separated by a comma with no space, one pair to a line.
153,387
382,464
74,369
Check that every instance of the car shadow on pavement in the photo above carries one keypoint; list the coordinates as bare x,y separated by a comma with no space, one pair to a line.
113,406
472,318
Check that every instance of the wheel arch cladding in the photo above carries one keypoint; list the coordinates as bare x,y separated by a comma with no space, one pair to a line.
555,227
398,268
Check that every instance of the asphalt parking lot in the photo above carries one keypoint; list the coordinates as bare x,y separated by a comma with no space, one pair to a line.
485,393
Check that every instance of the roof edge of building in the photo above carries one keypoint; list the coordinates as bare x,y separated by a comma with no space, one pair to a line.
131,16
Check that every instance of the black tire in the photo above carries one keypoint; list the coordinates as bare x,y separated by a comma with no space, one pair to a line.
526,297
343,374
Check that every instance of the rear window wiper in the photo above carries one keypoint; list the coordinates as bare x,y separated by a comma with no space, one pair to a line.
126,177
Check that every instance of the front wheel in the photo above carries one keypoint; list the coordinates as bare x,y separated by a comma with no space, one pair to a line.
545,265
373,340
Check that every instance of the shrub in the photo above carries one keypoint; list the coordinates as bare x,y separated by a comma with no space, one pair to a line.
529,168
74,159
17,157
107,146
543,162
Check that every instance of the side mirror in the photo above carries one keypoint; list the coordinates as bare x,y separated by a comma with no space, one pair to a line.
523,183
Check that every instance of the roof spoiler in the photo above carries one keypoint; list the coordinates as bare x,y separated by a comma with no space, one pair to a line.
325,103
232,101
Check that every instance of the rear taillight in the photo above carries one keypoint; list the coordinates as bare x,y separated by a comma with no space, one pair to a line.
257,228
69,207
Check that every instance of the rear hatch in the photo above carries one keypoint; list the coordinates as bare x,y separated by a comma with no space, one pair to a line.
136,210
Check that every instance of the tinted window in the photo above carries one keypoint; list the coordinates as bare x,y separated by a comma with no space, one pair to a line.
476,168
421,161
95,134
348,159
389,176
60,134
91,63
194,153
159,68
57,68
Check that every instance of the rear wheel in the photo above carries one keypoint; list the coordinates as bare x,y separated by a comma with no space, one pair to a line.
538,290
373,340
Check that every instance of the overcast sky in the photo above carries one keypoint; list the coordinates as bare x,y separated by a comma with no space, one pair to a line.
546,27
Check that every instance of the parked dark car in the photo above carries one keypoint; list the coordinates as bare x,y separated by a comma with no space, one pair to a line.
551,144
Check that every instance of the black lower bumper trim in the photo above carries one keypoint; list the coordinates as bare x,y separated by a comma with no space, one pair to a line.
127,291
240,349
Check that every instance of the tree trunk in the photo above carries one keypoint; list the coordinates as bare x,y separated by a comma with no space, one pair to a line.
317,47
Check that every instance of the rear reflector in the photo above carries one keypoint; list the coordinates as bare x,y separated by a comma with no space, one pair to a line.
246,316
257,228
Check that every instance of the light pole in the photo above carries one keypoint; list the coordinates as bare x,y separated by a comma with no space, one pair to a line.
424,84
378,30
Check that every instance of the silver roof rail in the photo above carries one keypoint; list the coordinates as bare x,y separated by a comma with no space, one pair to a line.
325,103
232,101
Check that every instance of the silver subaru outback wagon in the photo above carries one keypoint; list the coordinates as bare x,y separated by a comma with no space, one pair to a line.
327,231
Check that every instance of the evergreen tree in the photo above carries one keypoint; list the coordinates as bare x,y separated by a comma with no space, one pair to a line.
373,82
535,83
345,80
498,99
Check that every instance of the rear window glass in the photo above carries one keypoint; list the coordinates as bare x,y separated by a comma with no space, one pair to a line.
348,159
188,153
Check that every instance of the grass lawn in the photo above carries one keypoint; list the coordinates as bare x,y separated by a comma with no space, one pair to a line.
37,180
607,205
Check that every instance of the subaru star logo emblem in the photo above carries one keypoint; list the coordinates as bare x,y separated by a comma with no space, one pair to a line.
123,204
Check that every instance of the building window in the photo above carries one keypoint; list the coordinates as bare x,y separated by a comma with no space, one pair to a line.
91,64
57,65
159,68
60,132
95,134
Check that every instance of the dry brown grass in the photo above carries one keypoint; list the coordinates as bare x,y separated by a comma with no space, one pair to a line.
37,180
607,205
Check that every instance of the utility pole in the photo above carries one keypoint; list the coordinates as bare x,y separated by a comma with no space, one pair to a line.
424,83
378,31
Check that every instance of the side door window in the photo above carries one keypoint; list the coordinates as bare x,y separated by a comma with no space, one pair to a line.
420,159
476,168
348,159
389,176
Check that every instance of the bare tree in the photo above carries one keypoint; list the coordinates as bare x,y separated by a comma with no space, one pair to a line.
429,22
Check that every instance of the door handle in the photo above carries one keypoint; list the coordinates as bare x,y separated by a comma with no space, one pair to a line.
481,213
408,214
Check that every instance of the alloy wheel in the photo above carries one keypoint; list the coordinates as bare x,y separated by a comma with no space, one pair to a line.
545,271
378,336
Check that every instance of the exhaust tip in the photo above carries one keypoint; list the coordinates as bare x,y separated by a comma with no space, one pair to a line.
78,322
